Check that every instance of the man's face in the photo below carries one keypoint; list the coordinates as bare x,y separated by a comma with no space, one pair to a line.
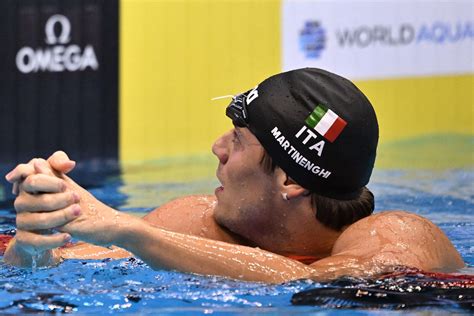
245,199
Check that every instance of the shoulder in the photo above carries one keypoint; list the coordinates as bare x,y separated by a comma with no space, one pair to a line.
184,214
191,205
401,237
390,224
192,215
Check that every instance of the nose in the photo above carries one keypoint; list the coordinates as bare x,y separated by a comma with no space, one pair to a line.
220,148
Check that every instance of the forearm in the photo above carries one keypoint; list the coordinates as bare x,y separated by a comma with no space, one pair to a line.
169,250
17,256
83,250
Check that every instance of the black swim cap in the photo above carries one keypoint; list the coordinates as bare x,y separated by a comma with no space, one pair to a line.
317,126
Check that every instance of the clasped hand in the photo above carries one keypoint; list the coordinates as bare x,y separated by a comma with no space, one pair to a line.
51,207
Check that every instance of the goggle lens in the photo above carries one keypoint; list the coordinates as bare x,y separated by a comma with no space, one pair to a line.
237,110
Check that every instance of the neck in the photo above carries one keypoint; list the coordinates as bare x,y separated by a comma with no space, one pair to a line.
296,231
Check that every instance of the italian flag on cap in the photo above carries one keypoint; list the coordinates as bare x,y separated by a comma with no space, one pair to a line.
326,122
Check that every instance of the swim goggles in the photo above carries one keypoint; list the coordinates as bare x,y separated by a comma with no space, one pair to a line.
237,110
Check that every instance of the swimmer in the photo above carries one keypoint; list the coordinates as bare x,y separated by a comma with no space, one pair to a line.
292,204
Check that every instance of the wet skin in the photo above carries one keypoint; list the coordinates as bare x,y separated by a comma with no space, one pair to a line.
224,234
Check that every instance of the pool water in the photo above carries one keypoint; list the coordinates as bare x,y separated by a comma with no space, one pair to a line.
129,286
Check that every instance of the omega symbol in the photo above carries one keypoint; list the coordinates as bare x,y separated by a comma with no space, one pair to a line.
63,37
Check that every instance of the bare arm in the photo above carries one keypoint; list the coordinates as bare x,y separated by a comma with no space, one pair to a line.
372,247
163,249
191,215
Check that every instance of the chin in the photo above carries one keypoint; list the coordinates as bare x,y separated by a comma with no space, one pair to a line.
219,214
222,217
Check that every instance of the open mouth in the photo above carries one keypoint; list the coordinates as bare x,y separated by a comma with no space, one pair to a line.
219,188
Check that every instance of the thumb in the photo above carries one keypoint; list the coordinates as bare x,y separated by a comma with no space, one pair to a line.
60,162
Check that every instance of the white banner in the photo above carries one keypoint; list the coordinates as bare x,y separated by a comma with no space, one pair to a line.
379,39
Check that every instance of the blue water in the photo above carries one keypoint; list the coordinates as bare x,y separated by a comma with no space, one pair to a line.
129,286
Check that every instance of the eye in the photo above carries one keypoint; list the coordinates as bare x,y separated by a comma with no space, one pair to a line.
236,139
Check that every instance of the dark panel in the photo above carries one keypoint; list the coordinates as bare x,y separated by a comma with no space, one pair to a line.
49,90
70,96
7,81
110,71
28,36
63,92
91,84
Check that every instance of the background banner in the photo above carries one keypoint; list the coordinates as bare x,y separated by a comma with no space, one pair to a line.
379,39
59,79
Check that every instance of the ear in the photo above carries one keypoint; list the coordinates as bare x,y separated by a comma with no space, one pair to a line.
287,185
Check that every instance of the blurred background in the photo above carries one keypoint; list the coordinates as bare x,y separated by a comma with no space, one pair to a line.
131,81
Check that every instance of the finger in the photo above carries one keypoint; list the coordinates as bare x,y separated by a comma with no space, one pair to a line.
61,162
20,172
43,183
47,220
15,188
35,243
26,202
42,166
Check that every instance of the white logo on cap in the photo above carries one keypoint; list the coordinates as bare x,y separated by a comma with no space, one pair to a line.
252,95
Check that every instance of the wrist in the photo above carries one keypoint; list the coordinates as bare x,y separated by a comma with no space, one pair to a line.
18,256
126,232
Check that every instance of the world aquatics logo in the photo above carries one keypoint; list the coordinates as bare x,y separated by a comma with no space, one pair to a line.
312,39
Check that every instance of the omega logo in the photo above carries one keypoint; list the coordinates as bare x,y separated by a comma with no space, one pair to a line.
63,37
57,57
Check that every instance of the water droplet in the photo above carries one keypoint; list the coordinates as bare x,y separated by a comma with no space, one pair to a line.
33,262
